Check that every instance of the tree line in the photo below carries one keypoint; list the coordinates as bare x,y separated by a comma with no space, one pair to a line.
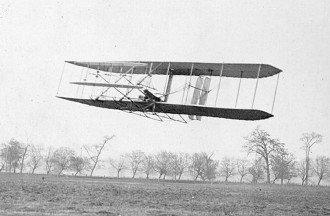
268,160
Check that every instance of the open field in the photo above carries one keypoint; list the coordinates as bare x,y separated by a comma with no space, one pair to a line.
30,195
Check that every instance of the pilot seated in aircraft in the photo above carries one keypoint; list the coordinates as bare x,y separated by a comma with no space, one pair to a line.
149,96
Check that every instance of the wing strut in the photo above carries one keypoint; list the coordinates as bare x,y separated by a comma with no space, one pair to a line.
168,87
278,76
239,87
83,88
191,71
167,71
59,84
216,99
255,90
78,88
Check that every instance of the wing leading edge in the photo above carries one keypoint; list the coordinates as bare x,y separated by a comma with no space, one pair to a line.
161,107
184,68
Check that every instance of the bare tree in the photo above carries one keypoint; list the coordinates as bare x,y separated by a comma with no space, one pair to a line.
2,163
3,154
301,171
78,164
242,168
62,158
283,165
148,165
49,160
257,171
95,151
309,140
181,161
203,166
227,167
163,163
210,169
321,167
197,166
119,165
260,142
35,157
12,154
24,153
2,158
135,160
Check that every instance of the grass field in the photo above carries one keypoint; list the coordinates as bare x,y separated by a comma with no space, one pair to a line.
30,195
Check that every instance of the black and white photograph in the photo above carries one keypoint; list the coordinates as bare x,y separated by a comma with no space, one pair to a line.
164,107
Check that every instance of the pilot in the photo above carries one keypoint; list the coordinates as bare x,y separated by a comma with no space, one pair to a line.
149,95
141,98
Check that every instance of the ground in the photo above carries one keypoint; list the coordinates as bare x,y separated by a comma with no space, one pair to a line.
24,194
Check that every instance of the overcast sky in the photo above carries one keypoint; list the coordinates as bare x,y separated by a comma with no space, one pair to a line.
36,37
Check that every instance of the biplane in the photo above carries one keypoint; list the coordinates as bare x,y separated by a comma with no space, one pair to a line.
148,103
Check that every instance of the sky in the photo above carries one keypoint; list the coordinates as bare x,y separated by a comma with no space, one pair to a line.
38,36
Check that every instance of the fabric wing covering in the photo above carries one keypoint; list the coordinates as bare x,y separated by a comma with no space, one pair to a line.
161,107
184,68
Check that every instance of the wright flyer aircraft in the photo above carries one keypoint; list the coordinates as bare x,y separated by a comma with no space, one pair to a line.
128,86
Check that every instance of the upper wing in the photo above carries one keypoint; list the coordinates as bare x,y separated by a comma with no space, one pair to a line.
184,68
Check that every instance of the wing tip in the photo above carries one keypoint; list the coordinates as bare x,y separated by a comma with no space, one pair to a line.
70,62
265,115
275,69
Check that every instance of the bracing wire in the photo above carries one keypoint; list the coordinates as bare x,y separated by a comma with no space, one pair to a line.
59,84
278,76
